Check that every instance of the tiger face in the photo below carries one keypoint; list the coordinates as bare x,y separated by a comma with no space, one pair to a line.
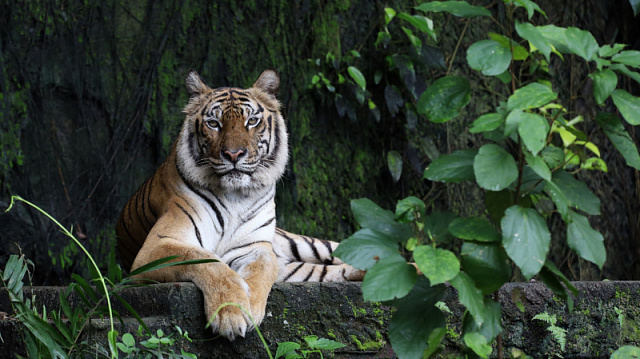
233,139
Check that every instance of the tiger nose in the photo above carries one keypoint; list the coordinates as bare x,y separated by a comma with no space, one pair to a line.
233,155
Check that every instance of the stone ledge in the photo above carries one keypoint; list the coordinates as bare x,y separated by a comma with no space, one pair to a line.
606,316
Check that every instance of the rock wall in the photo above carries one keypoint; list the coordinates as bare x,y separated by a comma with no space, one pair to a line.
605,316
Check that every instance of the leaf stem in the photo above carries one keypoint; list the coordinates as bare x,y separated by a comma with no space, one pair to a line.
114,352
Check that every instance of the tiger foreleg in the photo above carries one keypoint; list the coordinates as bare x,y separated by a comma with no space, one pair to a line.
259,269
218,283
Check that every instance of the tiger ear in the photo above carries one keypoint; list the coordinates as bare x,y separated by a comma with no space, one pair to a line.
268,82
195,85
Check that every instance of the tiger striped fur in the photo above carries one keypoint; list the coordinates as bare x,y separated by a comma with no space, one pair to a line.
213,198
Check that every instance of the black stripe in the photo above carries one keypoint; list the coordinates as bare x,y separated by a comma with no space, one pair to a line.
311,243
211,204
328,245
257,206
155,215
292,244
195,227
231,91
193,147
124,226
230,263
266,223
306,279
343,276
294,248
324,272
144,203
245,245
293,272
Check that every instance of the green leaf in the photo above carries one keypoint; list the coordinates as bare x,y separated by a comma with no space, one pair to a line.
608,51
286,348
558,197
370,215
478,343
415,319
455,8
594,163
533,130
393,98
585,240
629,58
470,296
487,264
553,156
551,267
552,281
571,40
532,95
424,24
415,41
519,52
628,105
436,225
577,193
486,122
439,265
410,209
488,57
625,71
389,14
604,82
128,340
494,168
496,203
474,228
441,101
530,6
538,165
357,76
454,167
392,277
433,342
406,70
526,238
491,327
327,344
627,351
534,36
635,5
614,130
365,247
394,161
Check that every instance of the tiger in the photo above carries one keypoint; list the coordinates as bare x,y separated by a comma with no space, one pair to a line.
213,198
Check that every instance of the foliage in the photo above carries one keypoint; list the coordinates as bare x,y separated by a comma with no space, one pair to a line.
527,168
57,333
289,350
558,333
156,344
626,352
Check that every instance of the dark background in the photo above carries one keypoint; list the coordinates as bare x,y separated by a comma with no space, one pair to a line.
91,96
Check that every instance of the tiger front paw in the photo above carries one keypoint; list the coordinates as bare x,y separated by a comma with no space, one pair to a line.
229,321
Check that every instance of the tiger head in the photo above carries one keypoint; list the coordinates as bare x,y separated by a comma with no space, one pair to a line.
233,139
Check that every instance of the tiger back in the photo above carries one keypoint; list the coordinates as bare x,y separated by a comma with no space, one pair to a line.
213,198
